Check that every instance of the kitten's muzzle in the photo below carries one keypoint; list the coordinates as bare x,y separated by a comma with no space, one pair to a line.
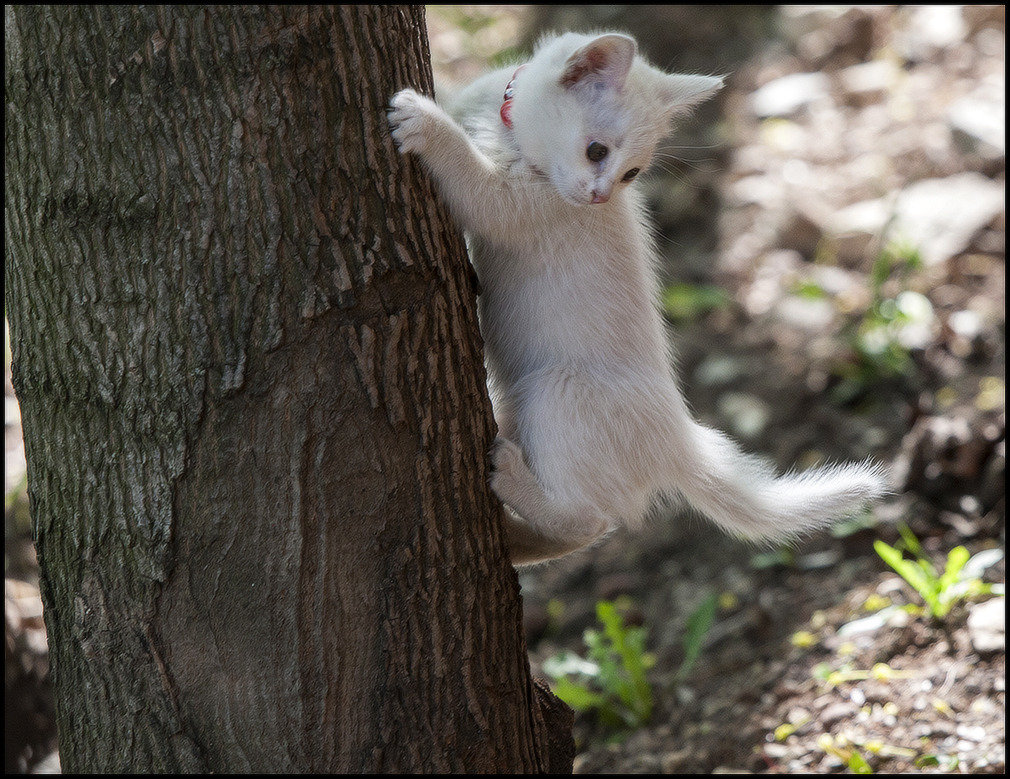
602,189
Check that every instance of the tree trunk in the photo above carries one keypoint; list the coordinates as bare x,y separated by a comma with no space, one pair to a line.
246,352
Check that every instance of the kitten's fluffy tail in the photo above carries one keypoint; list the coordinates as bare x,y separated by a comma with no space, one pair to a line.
743,495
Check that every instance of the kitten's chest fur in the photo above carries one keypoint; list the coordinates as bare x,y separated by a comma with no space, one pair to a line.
573,290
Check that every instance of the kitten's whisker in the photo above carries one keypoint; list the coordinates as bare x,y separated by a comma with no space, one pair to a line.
703,146
695,165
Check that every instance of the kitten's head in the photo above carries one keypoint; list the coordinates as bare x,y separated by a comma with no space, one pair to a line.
588,113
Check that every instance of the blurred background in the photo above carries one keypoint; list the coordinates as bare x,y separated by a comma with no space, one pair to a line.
832,236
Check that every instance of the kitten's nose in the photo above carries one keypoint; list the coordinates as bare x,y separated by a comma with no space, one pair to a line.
600,197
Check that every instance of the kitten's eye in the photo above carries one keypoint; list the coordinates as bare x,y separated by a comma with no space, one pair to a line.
596,151
630,174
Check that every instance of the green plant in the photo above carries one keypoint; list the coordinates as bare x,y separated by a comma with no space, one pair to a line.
611,680
686,302
881,672
881,340
695,630
959,579
947,763
854,524
783,556
848,753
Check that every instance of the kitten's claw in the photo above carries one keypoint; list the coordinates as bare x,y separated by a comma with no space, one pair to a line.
412,117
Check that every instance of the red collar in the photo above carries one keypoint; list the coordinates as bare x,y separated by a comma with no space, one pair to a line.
506,107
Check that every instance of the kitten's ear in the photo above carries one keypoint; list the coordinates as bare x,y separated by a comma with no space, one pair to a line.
605,59
683,92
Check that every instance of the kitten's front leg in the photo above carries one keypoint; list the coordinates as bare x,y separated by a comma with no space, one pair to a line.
471,184
417,121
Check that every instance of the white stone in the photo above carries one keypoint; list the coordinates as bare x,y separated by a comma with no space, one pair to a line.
940,216
812,314
987,625
869,80
747,414
787,95
980,125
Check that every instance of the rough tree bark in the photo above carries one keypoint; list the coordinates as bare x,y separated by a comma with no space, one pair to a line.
256,425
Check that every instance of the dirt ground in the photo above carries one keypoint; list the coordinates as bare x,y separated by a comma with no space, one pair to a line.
854,220
760,698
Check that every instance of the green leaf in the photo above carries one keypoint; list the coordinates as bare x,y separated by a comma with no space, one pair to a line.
616,687
858,765
911,542
628,680
916,575
810,290
957,558
854,524
685,302
575,695
783,556
822,671
695,630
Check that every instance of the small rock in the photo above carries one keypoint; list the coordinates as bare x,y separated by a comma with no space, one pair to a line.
756,189
971,732
844,37
868,82
800,20
798,231
672,762
811,314
788,95
837,281
776,750
836,712
979,126
818,560
853,230
931,28
941,216
717,370
987,626
747,414
966,323
868,624
943,453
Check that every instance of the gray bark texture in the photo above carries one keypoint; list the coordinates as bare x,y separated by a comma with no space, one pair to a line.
246,352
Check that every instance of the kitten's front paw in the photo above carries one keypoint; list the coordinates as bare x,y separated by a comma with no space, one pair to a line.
413,118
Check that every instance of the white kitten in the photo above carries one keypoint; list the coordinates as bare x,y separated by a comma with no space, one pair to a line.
537,165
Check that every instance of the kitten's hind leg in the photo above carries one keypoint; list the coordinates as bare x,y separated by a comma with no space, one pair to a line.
545,527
